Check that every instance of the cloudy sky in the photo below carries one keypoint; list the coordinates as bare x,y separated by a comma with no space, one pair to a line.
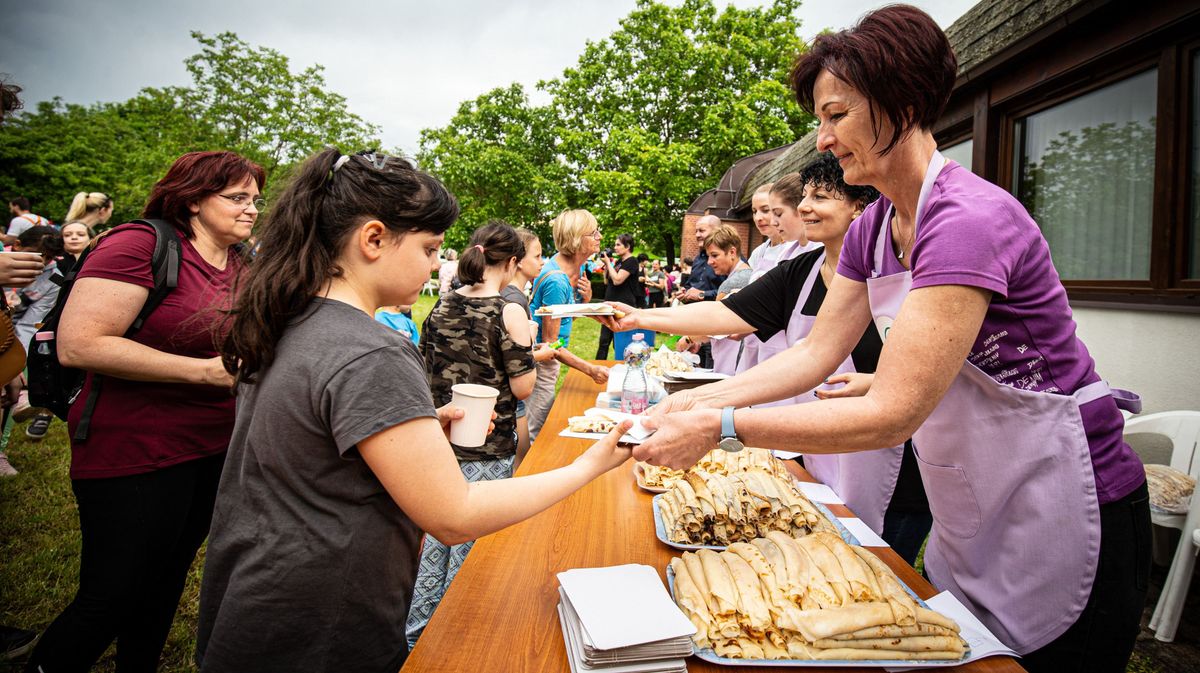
403,64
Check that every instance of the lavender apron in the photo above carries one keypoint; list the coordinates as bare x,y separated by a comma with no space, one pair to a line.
864,479
1008,472
754,350
725,355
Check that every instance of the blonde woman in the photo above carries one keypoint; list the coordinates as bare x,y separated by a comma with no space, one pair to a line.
577,237
91,208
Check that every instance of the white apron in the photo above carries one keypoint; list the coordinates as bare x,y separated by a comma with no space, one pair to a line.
1008,473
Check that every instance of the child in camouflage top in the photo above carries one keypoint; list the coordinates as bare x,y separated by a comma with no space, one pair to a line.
473,335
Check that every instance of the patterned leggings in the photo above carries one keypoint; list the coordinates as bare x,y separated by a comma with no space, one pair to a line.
440,563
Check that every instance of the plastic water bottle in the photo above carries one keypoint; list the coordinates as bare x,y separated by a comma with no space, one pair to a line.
635,391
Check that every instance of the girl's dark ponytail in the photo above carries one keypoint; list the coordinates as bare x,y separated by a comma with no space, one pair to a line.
494,243
328,196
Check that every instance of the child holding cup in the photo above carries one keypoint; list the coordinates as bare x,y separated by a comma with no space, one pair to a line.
339,459
475,339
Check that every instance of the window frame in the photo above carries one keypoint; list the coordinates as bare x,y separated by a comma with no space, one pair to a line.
1014,114
1104,44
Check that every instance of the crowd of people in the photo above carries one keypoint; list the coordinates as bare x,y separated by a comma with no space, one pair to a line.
281,402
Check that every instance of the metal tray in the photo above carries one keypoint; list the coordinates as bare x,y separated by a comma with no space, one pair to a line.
660,529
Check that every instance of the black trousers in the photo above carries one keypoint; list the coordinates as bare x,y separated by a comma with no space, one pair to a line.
140,534
1103,637
606,339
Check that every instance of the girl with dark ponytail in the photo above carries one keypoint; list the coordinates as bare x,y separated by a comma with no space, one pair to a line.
474,335
339,458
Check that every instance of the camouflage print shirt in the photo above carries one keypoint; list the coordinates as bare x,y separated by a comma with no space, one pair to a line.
464,341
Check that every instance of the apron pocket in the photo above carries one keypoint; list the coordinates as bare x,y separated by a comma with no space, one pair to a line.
951,500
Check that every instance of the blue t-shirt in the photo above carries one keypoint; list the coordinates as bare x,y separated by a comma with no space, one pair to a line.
552,286
401,323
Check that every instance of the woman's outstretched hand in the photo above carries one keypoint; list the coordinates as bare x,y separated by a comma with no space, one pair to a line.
626,318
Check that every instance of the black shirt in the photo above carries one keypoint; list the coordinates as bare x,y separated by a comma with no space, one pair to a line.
629,292
767,305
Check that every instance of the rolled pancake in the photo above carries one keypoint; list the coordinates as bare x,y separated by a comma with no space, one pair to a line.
927,616
753,613
817,624
909,644
688,597
804,578
904,607
723,591
828,565
775,560
859,576
882,655
894,631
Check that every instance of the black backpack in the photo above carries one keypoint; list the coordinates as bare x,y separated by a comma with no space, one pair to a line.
55,387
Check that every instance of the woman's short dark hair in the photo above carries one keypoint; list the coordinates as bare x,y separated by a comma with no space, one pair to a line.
494,243
327,198
626,240
826,173
192,177
897,57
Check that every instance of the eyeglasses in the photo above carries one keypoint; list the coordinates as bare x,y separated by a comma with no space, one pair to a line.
244,201
595,234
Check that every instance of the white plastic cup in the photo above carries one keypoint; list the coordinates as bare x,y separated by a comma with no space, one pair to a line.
533,331
477,403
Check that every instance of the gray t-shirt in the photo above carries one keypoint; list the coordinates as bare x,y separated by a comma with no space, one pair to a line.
736,281
513,294
18,224
310,562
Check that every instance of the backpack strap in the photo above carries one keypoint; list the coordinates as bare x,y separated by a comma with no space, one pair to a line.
164,266
538,281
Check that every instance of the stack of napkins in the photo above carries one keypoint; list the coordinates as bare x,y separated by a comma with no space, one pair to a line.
622,620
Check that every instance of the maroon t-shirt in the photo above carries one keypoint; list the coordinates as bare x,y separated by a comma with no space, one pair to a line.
141,426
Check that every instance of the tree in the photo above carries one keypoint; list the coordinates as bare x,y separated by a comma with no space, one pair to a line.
652,116
257,106
646,120
242,98
498,156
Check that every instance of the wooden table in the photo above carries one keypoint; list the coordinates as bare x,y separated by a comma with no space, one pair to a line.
500,615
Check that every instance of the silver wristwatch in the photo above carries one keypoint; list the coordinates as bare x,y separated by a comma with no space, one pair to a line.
729,440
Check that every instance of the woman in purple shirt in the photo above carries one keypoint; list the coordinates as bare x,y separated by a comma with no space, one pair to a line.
1041,519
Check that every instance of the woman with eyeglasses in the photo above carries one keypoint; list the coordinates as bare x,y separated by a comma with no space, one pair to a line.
339,459
158,412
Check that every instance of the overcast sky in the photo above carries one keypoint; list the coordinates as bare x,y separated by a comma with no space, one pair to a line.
402,64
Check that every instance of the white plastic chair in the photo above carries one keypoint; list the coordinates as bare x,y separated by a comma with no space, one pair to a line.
430,287
1183,429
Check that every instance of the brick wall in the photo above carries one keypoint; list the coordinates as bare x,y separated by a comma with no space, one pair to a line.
690,247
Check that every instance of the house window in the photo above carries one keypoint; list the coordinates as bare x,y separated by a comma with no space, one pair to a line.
960,152
1085,171
1194,267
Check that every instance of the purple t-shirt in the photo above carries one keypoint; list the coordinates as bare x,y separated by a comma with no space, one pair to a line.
974,233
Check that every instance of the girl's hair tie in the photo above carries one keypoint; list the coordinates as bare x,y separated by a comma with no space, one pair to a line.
480,248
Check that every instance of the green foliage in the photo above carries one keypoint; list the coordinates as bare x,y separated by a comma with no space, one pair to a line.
1091,193
646,120
242,98
497,156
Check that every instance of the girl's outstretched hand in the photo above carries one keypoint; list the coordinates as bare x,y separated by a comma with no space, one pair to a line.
606,454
